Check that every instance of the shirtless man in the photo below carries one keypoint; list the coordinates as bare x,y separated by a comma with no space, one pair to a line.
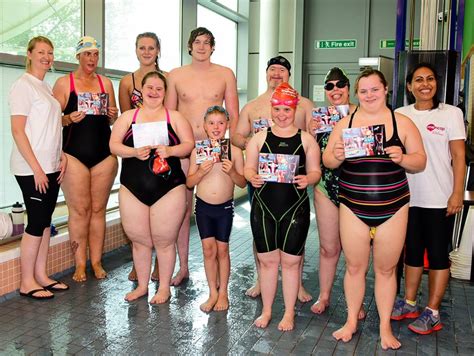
191,90
278,71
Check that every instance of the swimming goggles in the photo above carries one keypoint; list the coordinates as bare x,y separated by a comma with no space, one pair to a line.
340,84
217,108
288,102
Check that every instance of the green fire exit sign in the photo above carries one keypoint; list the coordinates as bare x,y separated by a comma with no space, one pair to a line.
391,43
335,44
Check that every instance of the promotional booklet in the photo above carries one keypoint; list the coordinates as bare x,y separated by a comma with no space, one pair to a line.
215,150
93,103
328,116
150,134
279,168
261,124
364,141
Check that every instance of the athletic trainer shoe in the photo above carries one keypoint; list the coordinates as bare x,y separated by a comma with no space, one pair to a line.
402,310
426,323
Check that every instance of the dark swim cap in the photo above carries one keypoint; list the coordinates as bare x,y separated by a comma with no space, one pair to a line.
336,73
280,60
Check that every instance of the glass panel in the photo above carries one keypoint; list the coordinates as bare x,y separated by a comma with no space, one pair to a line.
124,20
9,190
225,33
23,19
230,4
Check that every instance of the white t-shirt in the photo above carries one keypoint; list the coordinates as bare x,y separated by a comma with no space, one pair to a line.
34,99
433,187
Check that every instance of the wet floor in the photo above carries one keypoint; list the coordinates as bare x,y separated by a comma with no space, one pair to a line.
93,319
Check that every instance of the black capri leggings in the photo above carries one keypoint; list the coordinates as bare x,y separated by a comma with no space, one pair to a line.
432,230
39,207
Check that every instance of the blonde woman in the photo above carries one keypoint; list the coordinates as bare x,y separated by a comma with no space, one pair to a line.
38,165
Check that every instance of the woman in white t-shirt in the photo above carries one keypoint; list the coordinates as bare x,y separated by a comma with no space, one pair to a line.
37,163
436,196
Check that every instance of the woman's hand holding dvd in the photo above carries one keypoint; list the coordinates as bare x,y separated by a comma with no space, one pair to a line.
395,153
142,153
338,151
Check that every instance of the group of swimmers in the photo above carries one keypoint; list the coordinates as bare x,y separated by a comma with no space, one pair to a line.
359,202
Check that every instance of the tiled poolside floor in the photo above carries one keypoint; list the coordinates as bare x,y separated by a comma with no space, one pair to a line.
93,319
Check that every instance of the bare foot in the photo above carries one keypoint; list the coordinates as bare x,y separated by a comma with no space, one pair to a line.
287,323
303,295
132,276
345,333
80,274
99,271
155,276
179,278
320,306
262,321
254,291
388,341
161,297
207,306
222,302
136,293
362,313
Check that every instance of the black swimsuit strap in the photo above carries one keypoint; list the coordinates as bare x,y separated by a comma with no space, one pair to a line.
394,124
350,121
133,80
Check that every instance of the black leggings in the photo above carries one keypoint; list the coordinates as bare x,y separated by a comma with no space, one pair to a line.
39,207
432,230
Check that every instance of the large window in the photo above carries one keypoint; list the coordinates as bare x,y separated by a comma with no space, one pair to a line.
59,20
125,19
225,32
20,20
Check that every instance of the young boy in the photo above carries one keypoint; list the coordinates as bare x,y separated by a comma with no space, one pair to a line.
214,208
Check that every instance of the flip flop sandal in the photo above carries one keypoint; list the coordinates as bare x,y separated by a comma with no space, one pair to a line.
52,287
31,294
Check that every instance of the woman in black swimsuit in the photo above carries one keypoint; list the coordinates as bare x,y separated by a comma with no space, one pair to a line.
280,211
92,168
152,202
148,50
373,196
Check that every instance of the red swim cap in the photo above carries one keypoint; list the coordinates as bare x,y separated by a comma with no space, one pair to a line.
284,94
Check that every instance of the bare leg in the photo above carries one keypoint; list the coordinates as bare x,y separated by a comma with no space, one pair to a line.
303,295
327,217
29,249
166,218
254,291
209,250
223,259
183,235
76,188
356,244
388,245
438,281
142,260
41,274
132,276
290,269
155,276
269,262
412,281
102,178
136,223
